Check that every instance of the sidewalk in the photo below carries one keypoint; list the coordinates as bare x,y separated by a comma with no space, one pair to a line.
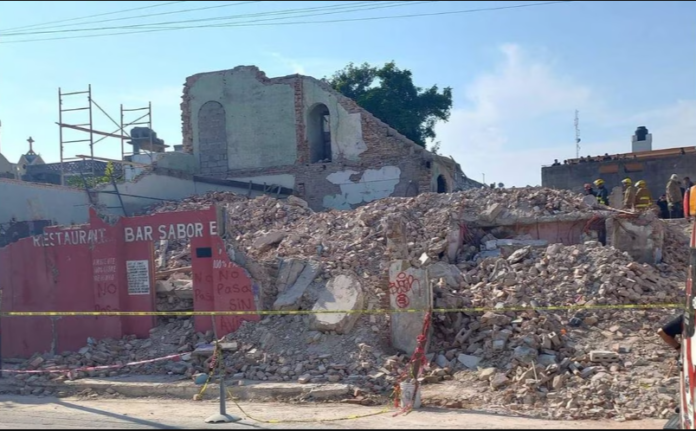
19,412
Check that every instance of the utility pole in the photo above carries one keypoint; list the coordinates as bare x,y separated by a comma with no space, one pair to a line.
484,178
577,134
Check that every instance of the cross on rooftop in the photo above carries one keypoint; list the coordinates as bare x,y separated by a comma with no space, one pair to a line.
31,145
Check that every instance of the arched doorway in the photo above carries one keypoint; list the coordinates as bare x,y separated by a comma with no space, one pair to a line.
319,133
441,184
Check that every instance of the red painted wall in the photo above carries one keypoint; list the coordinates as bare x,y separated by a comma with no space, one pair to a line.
86,268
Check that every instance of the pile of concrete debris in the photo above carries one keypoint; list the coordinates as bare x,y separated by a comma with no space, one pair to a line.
561,363
177,336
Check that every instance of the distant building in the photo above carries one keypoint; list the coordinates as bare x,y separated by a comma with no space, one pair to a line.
653,166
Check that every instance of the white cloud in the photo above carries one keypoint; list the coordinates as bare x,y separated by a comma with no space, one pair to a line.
523,91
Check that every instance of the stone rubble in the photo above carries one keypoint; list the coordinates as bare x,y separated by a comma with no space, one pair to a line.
592,363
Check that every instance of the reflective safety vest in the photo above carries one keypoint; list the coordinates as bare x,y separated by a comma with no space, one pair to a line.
643,199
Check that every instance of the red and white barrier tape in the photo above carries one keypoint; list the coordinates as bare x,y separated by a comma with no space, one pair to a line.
100,367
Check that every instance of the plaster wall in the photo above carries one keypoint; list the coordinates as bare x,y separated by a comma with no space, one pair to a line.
259,117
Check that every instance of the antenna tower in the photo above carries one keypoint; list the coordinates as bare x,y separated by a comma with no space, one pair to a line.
577,134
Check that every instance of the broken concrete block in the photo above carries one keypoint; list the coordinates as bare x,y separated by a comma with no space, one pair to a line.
408,289
499,380
342,293
603,356
525,354
288,272
269,240
469,361
290,299
492,212
295,201
450,273
486,373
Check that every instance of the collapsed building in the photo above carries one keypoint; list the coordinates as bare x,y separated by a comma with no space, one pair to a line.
299,133
529,256
468,252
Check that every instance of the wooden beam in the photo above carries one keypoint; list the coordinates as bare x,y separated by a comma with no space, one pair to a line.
96,132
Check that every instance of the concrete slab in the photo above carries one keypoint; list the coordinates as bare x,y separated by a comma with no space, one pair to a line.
289,270
290,299
343,292
408,289
450,273
642,237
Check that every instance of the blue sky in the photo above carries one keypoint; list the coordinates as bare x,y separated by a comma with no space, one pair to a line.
518,75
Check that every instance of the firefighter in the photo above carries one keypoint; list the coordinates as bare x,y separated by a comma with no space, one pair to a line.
629,199
643,200
602,192
674,197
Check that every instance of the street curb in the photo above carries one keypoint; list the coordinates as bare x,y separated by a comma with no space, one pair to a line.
186,389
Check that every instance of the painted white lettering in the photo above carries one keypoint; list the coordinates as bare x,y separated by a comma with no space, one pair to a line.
139,234
199,230
190,230
181,231
213,228
162,229
148,233
51,242
130,237
37,240
83,236
172,232
66,238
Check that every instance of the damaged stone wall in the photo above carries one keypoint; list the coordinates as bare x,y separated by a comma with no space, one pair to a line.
272,136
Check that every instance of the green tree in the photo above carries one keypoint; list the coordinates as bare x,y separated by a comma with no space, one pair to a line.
77,181
389,94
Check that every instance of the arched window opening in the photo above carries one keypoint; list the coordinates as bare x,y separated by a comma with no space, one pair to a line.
319,134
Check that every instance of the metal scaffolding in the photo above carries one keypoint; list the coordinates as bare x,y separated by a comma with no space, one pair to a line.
143,120
88,127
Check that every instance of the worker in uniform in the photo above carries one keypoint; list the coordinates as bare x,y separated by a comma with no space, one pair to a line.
602,192
643,199
674,197
629,199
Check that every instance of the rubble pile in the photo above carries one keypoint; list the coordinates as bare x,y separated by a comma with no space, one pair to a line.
554,362
171,337
174,286
561,358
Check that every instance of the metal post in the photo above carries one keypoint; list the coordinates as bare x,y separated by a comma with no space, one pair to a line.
60,129
221,417
123,150
91,128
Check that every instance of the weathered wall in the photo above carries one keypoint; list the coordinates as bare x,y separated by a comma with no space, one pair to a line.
241,110
33,201
270,133
655,172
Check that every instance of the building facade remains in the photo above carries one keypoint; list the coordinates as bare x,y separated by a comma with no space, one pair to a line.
299,133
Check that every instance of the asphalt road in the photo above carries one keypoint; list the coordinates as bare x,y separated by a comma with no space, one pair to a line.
24,412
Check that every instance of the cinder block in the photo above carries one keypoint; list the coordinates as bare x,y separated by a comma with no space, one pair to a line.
603,356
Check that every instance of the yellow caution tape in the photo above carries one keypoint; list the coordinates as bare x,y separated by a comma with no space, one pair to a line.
311,312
